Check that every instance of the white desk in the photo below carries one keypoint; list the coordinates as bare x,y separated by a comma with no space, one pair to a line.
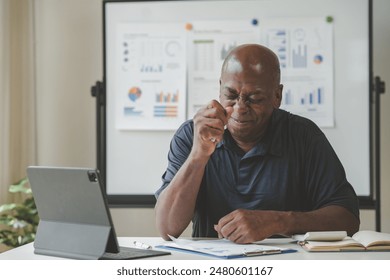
26,252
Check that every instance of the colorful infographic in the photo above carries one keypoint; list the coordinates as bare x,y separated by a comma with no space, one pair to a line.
151,73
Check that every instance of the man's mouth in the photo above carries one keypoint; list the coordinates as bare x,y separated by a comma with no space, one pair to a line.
240,121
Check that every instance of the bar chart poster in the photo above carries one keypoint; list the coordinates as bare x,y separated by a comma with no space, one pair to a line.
304,47
151,76
209,42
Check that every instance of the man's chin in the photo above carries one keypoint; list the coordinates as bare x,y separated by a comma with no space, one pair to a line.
240,133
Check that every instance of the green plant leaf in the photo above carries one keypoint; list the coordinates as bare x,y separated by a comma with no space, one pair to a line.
6,220
28,238
9,238
8,207
20,187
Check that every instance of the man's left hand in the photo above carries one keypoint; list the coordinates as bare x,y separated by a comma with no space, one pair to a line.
246,226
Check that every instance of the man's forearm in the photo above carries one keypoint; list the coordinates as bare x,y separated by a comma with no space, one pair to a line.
331,217
175,205
245,226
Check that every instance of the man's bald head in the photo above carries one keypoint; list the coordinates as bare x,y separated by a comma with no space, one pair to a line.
252,58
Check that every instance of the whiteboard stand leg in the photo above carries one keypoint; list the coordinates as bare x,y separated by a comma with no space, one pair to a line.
98,91
379,88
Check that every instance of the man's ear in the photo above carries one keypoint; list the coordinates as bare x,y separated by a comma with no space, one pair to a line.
278,96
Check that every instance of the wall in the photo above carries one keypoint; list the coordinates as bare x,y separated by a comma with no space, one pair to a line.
69,61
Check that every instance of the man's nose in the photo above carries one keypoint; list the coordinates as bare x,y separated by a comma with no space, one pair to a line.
241,105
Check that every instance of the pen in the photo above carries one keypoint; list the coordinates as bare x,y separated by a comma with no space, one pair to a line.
142,245
262,252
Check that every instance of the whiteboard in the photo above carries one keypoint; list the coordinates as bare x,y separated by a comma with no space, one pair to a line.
137,158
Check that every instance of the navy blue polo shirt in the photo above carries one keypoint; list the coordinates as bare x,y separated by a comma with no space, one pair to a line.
293,168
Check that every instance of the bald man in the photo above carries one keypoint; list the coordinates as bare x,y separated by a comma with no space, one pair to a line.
245,170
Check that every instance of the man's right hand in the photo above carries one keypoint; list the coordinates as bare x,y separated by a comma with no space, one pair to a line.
209,126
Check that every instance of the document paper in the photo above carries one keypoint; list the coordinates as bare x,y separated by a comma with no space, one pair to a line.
223,248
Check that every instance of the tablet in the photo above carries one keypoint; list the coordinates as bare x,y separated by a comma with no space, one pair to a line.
75,221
